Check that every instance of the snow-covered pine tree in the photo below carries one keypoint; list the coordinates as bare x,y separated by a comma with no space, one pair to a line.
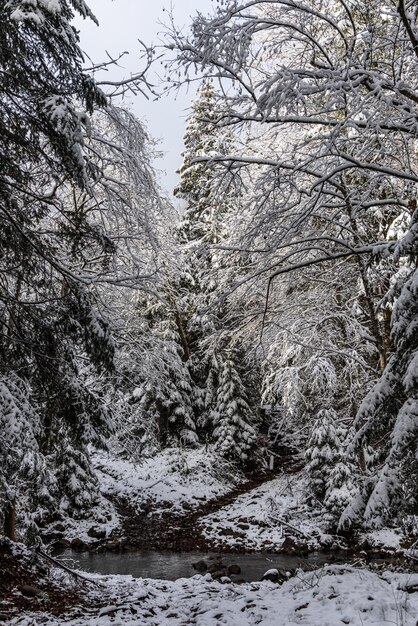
330,466
234,432
389,413
202,219
342,486
165,389
323,451
203,222
211,202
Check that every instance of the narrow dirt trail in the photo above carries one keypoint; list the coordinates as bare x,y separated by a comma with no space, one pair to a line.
179,533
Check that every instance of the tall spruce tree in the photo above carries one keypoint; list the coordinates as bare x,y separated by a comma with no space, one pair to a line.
202,219
322,451
209,204
165,388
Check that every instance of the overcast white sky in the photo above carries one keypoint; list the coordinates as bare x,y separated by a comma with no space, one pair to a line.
122,22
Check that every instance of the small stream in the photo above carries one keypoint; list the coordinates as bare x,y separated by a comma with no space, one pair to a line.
171,565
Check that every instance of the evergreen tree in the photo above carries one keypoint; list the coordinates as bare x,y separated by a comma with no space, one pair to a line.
322,453
202,219
341,486
22,462
165,393
234,433
202,223
331,468
390,412
210,205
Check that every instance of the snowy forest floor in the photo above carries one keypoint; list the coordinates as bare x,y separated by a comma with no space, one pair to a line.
331,596
186,500
167,530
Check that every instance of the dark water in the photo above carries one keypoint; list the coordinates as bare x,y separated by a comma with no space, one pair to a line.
170,566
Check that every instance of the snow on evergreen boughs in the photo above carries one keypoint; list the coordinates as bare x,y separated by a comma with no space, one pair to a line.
388,493
78,482
166,391
234,434
24,475
330,467
352,515
203,224
341,486
322,452
41,493
392,405
347,475
136,432
68,124
209,394
50,6
201,139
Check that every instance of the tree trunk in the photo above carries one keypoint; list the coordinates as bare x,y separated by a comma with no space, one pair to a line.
162,423
362,459
182,334
368,292
10,520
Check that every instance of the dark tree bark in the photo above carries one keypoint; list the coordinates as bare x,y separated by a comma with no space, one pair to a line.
10,520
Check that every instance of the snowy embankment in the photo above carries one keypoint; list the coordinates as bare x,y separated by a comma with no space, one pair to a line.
263,518
330,596
271,517
275,517
175,481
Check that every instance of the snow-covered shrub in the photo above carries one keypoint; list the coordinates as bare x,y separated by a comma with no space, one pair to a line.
342,486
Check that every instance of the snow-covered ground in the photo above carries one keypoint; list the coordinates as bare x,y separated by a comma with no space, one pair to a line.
331,596
179,481
104,518
265,517
262,518
174,479
259,520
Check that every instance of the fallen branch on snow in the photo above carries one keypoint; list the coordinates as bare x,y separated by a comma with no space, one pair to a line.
67,569
296,530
